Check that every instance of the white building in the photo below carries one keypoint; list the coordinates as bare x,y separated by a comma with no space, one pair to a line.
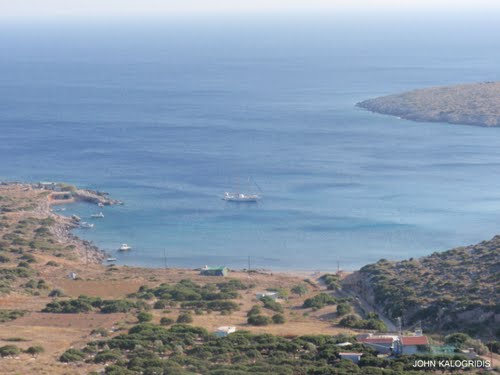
225,331
273,295
355,357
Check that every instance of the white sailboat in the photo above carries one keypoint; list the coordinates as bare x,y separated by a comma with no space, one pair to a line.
124,247
237,196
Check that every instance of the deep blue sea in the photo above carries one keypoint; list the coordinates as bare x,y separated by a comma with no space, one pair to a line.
167,115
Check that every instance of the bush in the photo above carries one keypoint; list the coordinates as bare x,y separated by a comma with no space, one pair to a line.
7,315
185,318
72,355
4,259
255,310
144,317
353,321
319,301
116,306
166,321
159,305
106,356
331,281
271,304
258,320
52,263
56,293
9,351
343,309
299,289
100,331
35,350
278,319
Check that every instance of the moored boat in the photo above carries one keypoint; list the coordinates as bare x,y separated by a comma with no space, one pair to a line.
124,247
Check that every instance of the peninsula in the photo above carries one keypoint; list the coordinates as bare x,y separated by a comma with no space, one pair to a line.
470,104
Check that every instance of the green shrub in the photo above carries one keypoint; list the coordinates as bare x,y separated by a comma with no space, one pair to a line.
7,315
56,293
278,319
144,317
255,310
166,321
271,304
72,355
34,351
107,356
184,318
258,320
319,301
299,289
343,308
9,351
116,306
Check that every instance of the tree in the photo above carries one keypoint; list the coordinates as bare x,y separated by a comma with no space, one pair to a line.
255,310
56,293
258,320
278,319
144,317
185,318
35,350
343,309
72,355
299,289
9,351
166,321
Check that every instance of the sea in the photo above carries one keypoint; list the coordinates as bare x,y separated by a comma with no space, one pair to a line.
168,113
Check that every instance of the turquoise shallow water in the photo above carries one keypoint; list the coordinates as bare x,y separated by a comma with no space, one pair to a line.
166,115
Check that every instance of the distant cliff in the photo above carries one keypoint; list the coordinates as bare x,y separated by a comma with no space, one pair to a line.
472,104
446,290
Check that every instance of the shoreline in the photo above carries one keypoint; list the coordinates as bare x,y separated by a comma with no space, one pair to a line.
88,252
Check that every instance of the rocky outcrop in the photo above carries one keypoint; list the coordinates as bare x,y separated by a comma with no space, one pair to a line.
471,104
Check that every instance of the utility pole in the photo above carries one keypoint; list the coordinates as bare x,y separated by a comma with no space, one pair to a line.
248,270
165,257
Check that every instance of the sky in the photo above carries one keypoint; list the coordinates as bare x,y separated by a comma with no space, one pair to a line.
82,8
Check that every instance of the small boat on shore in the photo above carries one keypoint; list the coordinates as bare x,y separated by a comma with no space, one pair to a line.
110,259
100,215
100,204
86,225
124,247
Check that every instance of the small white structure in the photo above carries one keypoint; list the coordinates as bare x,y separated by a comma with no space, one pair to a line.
273,295
225,331
72,275
355,357
342,344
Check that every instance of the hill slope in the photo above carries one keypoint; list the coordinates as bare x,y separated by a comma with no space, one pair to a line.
471,104
447,290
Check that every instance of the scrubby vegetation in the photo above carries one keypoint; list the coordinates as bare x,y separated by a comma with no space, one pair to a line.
7,315
472,104
85,304
372,322
447,290
319,301
182,349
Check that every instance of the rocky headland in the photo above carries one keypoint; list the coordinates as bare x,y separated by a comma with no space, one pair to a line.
470,104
